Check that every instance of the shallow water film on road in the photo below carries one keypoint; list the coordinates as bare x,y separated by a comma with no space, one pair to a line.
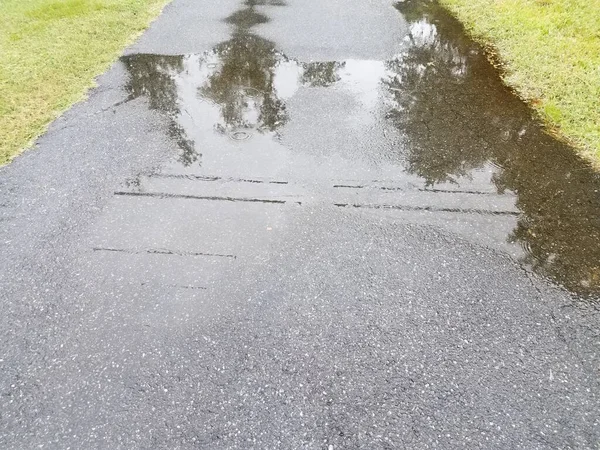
430,130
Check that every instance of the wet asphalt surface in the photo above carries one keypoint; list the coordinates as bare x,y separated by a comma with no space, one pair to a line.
300,225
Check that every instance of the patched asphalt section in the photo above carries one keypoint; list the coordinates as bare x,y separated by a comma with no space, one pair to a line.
267,229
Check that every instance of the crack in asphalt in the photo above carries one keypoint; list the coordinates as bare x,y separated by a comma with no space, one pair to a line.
159,251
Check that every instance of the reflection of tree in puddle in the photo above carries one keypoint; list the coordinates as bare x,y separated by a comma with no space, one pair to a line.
246,18
152,76
243,85
438,86
457,115
322,74
237,76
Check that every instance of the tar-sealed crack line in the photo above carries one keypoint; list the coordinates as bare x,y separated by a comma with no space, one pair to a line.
197,197
180,286
430,209
159,251
213,178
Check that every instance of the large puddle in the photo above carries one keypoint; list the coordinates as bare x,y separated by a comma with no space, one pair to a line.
433,123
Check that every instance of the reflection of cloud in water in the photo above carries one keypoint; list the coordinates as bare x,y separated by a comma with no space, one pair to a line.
287,76
422,33
363,80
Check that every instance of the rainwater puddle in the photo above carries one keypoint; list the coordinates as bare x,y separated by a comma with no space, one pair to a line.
431,129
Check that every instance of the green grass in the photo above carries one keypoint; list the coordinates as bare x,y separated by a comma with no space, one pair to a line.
550,53
50,53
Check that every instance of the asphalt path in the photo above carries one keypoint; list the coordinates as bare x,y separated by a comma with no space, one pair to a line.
300,224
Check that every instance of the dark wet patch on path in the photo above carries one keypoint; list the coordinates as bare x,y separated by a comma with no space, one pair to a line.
436,116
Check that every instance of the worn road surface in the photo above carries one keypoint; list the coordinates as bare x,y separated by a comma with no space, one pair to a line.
300,224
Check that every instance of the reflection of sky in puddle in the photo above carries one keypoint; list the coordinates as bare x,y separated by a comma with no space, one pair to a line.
210,119
342,103
361,79
436,117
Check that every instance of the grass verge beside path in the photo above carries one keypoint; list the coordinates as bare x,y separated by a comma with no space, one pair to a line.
550,53
50,52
